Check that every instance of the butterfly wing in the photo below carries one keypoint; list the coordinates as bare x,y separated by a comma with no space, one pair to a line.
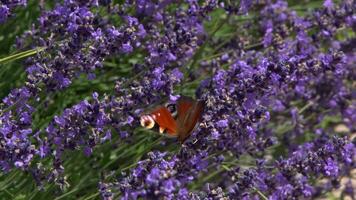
189,113
164,119
183,106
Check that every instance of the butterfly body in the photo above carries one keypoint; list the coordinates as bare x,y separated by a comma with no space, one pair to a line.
175,120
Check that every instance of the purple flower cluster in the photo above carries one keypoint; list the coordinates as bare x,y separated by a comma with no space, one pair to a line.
77,39
256,89
268,92
16,148
7,6
74,44
158,176
320,157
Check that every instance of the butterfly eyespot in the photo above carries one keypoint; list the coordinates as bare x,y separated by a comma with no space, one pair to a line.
147,121
172,108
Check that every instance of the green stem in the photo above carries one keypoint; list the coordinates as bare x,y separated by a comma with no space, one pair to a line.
9,193
20,55
66,194
9,180
92,196
305,107
253,46
260,193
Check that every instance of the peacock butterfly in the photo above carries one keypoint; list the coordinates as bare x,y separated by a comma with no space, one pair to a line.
175,120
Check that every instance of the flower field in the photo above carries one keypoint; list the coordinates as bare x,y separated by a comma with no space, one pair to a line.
177,99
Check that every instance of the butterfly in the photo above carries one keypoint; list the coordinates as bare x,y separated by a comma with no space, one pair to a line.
175,120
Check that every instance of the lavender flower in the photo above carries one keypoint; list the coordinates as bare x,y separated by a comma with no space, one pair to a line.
273,91
4,13
237,103
16,149
77,44
7,6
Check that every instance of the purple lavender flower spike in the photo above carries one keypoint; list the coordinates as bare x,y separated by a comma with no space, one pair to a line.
276,85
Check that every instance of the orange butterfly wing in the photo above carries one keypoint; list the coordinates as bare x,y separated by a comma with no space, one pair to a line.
183,105
189,113
165,120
